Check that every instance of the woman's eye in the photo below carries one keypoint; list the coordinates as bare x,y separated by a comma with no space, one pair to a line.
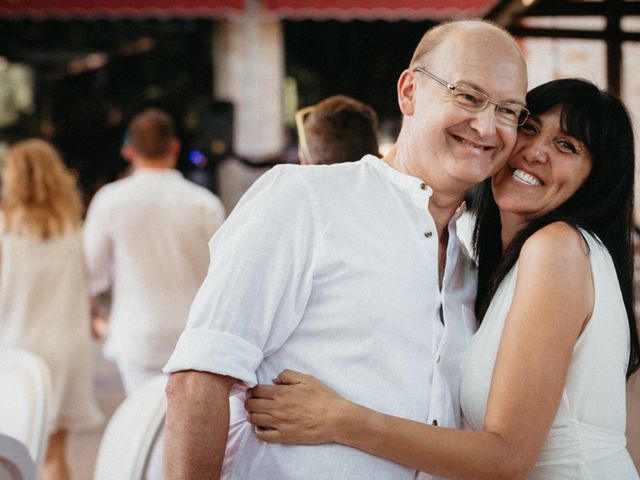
566,146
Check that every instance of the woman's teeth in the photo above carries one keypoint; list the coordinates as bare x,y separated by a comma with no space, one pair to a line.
526,178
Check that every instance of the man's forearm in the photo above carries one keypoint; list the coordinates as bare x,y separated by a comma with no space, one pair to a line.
196,426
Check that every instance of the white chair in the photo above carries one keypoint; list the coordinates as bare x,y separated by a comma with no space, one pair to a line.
129,438
15,461
25,401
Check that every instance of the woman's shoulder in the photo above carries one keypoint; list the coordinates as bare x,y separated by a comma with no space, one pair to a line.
555,266
556,245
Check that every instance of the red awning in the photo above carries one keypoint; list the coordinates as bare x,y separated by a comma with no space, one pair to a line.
116,9
378,9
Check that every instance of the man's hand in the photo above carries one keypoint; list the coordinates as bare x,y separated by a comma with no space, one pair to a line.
99,318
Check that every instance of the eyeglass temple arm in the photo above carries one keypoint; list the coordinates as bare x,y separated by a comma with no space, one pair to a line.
433,77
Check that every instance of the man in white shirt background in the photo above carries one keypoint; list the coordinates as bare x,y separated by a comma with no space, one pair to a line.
337,129
350,272
146,238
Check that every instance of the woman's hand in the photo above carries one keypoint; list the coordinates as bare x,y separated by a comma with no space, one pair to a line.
298,409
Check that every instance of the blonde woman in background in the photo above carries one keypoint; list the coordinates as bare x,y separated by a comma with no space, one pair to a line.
44,303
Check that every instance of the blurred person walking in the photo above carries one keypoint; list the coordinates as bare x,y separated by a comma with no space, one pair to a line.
146,236
44,300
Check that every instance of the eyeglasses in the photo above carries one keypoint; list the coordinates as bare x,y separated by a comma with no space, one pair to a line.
300,117
471,99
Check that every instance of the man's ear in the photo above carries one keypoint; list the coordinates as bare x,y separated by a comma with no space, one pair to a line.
406,92
127,152
175,147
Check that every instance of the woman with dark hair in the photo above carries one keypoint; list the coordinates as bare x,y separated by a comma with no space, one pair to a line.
543,388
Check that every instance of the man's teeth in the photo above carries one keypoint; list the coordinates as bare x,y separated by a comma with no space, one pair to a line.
473,145
525,178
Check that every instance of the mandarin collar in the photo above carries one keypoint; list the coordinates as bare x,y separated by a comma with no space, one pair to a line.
404,182
408,183
458,213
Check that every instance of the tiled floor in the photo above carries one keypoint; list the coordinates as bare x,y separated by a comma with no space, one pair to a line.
82,449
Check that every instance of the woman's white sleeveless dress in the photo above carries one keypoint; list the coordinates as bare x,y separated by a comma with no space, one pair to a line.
587,438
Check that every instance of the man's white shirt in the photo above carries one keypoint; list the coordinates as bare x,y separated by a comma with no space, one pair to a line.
333,271
147,236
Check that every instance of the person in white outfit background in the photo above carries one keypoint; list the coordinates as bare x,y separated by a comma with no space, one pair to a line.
44,299
543,386
337,129
146,238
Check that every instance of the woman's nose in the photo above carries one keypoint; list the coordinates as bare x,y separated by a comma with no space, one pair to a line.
536,151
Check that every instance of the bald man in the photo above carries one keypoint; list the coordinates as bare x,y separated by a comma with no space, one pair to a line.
362,283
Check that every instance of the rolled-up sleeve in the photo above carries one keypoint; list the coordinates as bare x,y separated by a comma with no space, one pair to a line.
258,282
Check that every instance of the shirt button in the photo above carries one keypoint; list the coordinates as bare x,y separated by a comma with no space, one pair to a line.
423,186
434,423
428,234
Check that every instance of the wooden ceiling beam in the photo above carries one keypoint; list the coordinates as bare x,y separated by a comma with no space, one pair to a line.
520,31
509,14
506,11
582,9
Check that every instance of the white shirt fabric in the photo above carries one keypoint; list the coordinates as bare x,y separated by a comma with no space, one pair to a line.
147,235
333,271
587,437
465,225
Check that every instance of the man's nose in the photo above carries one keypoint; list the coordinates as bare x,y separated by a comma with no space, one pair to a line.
484,121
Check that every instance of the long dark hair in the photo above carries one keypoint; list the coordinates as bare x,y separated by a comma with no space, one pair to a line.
603,205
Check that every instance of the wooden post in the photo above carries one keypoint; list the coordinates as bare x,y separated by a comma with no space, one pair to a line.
613,39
